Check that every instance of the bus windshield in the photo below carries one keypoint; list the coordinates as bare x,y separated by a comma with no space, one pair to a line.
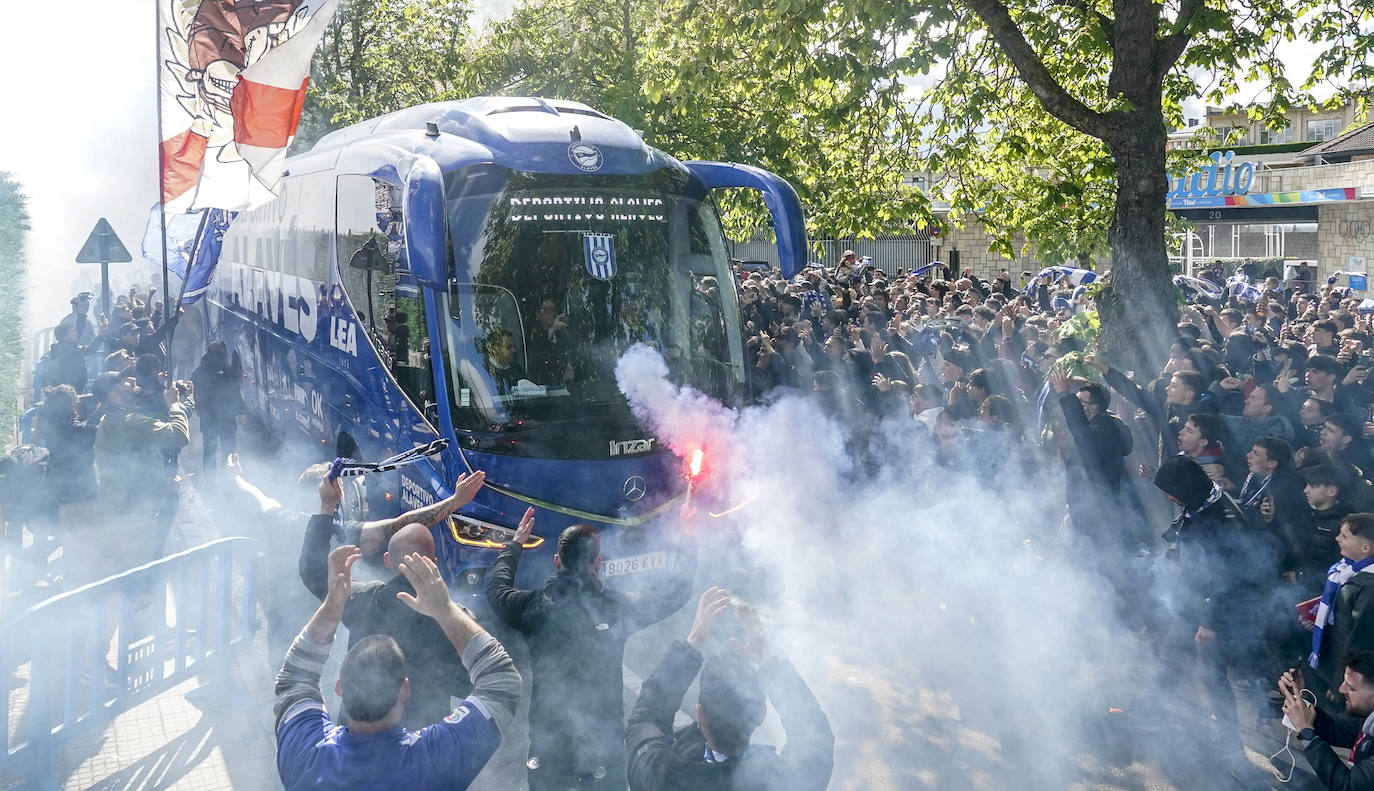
555,277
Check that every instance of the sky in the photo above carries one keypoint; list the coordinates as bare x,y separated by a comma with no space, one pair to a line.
87,146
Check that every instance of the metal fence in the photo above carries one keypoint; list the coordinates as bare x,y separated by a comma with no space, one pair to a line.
889,253
166,621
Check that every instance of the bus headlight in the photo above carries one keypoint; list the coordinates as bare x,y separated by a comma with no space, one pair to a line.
476,533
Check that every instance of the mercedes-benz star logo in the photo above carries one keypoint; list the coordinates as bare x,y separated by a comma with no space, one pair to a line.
634,488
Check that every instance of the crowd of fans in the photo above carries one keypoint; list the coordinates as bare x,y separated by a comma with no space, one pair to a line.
1255,433
104,438
1256,430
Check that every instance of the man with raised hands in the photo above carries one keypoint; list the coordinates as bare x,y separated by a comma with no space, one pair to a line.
374,750
374,607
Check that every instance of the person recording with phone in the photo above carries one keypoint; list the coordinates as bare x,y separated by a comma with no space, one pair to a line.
1320,731
132,470
716,751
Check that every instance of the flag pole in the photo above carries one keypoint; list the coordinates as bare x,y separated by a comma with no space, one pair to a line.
161,165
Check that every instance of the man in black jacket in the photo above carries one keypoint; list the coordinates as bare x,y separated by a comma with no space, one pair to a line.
715,752
1314,538
1351,627
1271,496
373,607
1102,442
1185,394
1321,731
576,630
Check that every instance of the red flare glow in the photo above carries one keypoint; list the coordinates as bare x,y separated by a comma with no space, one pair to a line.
694,464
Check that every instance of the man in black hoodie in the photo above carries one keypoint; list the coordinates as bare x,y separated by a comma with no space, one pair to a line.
576,630
1224,571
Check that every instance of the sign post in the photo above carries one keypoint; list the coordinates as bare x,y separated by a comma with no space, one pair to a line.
103,247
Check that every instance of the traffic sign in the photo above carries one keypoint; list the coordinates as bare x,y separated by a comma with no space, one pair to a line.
103,246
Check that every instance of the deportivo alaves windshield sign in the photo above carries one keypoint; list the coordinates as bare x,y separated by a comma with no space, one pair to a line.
1217,180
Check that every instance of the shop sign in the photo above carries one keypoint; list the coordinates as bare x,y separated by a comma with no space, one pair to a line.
1216,180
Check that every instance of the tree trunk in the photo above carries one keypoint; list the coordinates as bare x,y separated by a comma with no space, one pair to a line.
1138,309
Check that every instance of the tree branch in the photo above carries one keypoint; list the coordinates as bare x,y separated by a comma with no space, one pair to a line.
1171,49
1103,21
1056,100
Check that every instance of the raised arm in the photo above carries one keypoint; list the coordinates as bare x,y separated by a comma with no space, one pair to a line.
810,752
495,682
507,601
377,533
1129,390
245,491
649,735
315,546
298,682
174,432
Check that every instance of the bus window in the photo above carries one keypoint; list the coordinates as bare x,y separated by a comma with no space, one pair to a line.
371,244
561,275
369,235
495,369
406,333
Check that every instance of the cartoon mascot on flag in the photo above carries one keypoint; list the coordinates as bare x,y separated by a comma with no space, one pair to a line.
208,47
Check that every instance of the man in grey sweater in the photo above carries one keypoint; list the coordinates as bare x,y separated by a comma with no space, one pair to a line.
374,750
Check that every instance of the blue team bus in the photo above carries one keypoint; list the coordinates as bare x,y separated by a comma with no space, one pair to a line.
473,270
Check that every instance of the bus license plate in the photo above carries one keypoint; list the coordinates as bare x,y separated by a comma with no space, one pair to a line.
635,563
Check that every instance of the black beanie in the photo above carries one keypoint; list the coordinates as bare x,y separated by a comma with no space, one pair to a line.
1182,478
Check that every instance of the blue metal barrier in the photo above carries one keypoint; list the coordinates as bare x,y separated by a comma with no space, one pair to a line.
163,622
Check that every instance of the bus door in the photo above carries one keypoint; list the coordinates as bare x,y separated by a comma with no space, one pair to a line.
391,311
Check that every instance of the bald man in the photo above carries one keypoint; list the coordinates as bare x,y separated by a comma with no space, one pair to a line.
435,669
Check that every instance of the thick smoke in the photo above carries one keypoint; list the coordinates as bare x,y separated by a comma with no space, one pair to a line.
952,635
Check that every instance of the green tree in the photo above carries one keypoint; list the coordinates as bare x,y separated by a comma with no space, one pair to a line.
382,55
682,71
1050,118
14,227
1046,120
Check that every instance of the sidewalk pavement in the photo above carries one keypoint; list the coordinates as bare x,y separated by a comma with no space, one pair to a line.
202,734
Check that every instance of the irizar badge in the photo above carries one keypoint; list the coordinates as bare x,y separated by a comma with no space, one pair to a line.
586,156
598,249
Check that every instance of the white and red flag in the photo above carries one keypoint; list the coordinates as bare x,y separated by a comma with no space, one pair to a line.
232,82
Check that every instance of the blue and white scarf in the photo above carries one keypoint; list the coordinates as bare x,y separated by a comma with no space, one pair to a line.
1197,285
1250,498
348,468
1239,285
1212,497
1174,535
1075,276
1338,575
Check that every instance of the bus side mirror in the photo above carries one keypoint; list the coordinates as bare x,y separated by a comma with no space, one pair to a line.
423,204
789,223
